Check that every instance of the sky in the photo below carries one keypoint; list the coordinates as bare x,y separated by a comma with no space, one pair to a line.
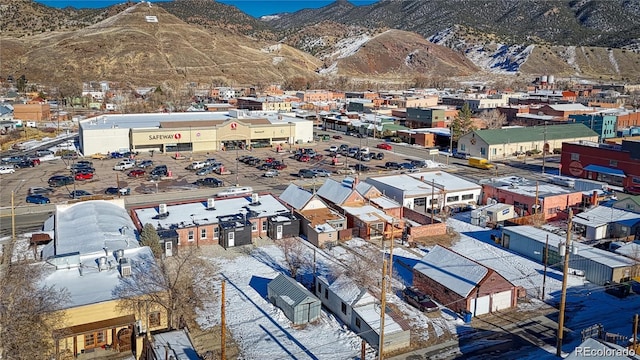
254,8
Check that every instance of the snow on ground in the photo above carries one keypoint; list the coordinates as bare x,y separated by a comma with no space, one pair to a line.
613,61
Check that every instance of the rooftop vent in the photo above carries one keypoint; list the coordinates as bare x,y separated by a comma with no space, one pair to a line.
162,209
125,267
102,263
211,204
255,199
119,254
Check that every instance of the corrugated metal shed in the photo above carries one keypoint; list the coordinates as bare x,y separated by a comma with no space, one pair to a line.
298,304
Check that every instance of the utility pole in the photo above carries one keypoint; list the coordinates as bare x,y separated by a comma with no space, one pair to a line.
535,211
544,147
223,325
565,273
433,184
635,332
363,348
546,259
383,304
393,229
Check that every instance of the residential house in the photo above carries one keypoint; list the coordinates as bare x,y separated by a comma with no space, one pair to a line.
297,303
319,224
503,143
529,197
360,310
605,222
462,284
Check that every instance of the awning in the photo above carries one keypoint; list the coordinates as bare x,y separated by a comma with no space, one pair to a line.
605,170
94,326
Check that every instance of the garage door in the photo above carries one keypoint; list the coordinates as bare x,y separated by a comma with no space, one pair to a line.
501,301
483,305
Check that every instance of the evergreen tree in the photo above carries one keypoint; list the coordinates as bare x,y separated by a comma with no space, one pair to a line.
462,123
149,237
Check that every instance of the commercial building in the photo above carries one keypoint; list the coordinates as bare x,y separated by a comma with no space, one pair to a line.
599,266
506,142
191,131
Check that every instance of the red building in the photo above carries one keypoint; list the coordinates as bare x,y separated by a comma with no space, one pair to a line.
617,165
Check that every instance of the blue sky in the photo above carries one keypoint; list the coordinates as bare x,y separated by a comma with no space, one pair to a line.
255,8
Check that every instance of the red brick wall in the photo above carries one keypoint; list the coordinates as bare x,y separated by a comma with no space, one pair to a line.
439,292
628,120
494,283
427,230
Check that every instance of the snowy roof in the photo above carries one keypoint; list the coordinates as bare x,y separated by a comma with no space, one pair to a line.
345,288
363,187
569,107
602,215
335,191
295,196
368,309
384,202
456,272
91,226
196,213
368,213
86,284
522,186
600,256
445,180
410,186
177,343
600,350
290,290
631,250
322,228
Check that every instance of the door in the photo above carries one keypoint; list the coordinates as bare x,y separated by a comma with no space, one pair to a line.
501,301
168,248
124,339
95,339
278,232
231,239
480,306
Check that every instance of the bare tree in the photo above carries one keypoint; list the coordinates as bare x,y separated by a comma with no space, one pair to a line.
293,251
365,266
180,285
29,313
494,119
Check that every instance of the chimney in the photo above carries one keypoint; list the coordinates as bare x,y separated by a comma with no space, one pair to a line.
355,182
421,177
594,198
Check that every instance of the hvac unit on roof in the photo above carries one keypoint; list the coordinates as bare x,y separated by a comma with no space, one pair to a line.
125,267
119,254
255,199
102,263
211,204
162,209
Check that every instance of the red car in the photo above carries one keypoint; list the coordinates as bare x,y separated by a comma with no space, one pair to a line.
384,146
136,173
337,137
304,158
269,160
84,176
279,166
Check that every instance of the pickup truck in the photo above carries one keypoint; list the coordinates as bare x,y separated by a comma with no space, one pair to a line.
124,165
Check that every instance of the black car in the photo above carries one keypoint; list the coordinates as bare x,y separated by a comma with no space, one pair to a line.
392,165
159,170
265,166
360,167
145,164
380,156
210,181
60,180
419,300
24,164
307,173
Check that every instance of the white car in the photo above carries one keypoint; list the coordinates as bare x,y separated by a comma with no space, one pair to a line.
333,148
321,172
124,165
7,170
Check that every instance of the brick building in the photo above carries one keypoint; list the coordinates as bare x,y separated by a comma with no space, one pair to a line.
32,112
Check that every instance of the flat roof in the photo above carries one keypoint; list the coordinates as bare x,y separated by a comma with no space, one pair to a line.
522,186
196,213
602,215
368,213
409,186
445,180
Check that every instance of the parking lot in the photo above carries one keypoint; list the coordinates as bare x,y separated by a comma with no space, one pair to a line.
181,178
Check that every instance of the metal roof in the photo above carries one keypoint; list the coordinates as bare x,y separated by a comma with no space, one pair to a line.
335,191
295,196
535,133
291,291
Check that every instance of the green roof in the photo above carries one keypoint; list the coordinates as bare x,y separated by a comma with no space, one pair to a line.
392,127
535,133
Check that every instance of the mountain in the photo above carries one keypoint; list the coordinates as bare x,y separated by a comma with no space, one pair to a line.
144,44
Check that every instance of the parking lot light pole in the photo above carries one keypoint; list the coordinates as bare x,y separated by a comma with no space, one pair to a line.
290,135
237,161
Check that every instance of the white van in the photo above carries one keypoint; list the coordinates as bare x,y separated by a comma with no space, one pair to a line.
124,165
197,165
234,191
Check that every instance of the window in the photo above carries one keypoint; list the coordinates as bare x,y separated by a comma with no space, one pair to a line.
216,232
358,323
483,151
420,202
154,319
264,226
344,308
320,288
494,151
326,293
190,236
554,210
101,336
254,227
467,197
89,340
613,163
203,233
462,147
575,157
453,198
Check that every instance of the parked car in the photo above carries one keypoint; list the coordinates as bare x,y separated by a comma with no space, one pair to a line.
407,165
271,173
384,146
7,170
145,164
306,173
360,167
116,191
419,163
265,166
461,155
60,180
321,172
13,159
98,156
279,166
210,181
37,199
37,190
343,147
333,148
83,176
136,173
84,163
337,137
124,165
76,194
380,156
159,171
43,153
391,165
419,300
24,164
116,155
304,158
206,170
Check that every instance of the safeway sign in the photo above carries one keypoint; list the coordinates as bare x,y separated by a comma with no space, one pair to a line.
234,126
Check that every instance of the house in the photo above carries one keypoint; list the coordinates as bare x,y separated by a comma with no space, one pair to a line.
462,284
628,203
605,222
319,224
502,143
296,302
337,193
176,345
529,197
90,260
617,165
228,221
360,310
599,266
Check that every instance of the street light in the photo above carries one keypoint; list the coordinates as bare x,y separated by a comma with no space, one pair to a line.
290,135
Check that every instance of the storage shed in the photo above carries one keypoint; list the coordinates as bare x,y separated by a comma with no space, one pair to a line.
492,214
298,304
598,265
235,230
283,226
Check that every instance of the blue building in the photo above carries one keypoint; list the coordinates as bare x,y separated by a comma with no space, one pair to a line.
601,123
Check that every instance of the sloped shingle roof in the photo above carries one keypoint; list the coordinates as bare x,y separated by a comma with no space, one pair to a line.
295,196
534,133
334,191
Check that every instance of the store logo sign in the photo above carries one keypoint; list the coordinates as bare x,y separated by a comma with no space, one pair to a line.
175,136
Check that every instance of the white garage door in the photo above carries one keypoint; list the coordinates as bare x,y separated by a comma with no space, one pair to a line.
483,305
500,301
